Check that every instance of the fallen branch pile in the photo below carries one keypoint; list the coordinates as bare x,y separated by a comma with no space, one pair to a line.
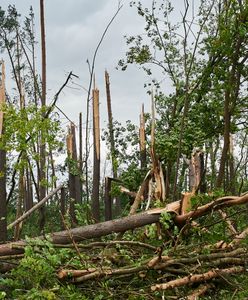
159,266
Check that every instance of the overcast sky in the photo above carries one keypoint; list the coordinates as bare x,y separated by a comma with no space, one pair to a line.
73,29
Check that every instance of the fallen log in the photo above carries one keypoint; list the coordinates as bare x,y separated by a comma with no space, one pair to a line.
130,222
96,230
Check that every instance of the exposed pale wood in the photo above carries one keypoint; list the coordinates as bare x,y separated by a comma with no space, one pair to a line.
231,228
227,201
127,191
201,290
197,278
62,274
140,195
186,202
96,163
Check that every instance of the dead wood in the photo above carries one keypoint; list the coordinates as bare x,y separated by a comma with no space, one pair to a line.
107,272
230,226
201,290
165,261
197,278
186,203
35,207
62,274
140,195
228,201
239,238
108,244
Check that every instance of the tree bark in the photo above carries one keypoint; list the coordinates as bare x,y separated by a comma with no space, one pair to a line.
108,199
97,230
96,167
3,205
142,135
42,177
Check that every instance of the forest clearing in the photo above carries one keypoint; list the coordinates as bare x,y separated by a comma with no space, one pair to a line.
156,210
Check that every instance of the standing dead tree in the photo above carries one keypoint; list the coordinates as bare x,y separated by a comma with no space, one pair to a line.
96,166
92,69
112,144
74,180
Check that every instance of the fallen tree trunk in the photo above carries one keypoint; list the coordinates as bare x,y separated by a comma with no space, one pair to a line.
96,230
131,222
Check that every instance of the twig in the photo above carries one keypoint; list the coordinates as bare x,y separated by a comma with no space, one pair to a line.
104,244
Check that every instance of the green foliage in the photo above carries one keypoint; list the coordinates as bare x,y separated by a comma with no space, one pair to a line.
35,277
166,220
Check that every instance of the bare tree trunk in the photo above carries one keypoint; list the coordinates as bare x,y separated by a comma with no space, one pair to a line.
3,205
19,205
96,167
29,199
112,140
62,207
81,154
75,159
232,186
227,127
42,179
231,95
108,200
142,134
74,189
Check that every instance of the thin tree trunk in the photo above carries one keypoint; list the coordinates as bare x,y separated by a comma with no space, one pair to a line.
29,199
108,199
19,205
81,154
3,205
42,179
142,134
96,167
112,140
72,163
232,186
62,207
227,127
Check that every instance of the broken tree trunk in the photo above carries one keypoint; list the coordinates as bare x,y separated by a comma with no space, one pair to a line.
132,222
96,167
74,181
112,141
97,230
